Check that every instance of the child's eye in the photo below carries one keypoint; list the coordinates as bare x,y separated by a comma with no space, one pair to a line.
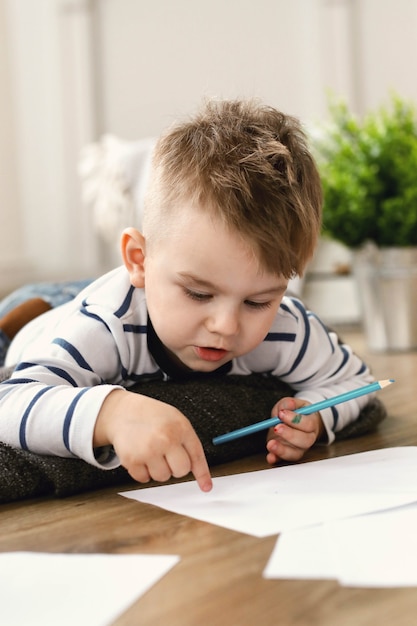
257,305
196,295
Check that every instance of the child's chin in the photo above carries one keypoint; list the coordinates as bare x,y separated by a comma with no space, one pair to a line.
199,365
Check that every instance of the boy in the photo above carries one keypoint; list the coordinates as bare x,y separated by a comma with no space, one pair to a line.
232,211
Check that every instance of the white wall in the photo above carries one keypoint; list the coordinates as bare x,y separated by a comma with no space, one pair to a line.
11,241
49,88
158,60
385,44
71,70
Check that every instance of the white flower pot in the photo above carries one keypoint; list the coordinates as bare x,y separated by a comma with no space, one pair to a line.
387,282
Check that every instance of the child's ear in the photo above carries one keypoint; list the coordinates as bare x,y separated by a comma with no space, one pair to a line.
133,253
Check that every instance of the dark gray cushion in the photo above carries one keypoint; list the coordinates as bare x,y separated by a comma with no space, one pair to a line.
214,406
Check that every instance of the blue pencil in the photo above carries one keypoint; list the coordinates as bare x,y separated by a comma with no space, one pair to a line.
305,410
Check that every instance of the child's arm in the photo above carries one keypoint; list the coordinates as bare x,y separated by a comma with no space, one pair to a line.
317,365
66,396
152,439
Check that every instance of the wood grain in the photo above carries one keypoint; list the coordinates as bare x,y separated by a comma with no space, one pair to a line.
219,578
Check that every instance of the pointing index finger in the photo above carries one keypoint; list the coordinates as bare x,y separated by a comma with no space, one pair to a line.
199,466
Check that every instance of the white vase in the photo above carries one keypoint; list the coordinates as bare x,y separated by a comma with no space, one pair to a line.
387,283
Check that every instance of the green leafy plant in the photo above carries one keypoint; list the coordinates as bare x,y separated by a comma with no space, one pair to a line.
369,175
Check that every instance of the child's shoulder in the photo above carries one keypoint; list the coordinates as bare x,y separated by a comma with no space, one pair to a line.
113,297
109,286
104,296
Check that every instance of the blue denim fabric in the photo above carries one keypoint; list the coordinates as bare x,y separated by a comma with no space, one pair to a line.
53,293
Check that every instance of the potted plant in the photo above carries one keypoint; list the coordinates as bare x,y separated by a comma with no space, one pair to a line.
369,176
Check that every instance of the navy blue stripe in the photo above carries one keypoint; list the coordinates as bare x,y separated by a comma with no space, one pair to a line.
303,349
23,366
18,381
285,308
74,352
124,373
362,368
137,378
93,316
296,383
324,327
25,417
55,370
335,416
346,357
131,376
62,374
126,303
69,416
290,337
140,329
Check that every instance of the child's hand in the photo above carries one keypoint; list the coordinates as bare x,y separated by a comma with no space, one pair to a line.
289,441
152,439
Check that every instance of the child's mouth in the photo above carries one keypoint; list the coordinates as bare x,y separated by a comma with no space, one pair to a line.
210,354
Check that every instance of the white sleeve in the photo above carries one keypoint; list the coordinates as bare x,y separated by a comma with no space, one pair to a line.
50,405
322,366
302,352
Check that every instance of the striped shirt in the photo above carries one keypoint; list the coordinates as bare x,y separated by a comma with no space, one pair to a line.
72,357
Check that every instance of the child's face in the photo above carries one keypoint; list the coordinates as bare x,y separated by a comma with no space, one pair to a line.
207,297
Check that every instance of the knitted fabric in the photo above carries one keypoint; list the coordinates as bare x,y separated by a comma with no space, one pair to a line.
213,406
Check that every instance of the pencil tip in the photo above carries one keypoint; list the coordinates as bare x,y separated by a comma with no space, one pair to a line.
384,383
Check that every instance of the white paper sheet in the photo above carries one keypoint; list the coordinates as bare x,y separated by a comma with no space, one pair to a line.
376,550
303,553
269,501
66,589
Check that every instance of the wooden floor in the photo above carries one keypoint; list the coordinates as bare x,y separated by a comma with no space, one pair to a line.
219,579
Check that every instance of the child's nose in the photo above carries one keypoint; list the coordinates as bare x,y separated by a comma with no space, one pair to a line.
224,322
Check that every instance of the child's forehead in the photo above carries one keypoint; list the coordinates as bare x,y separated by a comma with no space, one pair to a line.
202,233
188,220
187,215
190,216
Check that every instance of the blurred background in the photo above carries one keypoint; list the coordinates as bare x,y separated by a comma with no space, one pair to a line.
74,70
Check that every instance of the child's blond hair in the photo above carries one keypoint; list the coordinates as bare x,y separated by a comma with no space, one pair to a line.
249,165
